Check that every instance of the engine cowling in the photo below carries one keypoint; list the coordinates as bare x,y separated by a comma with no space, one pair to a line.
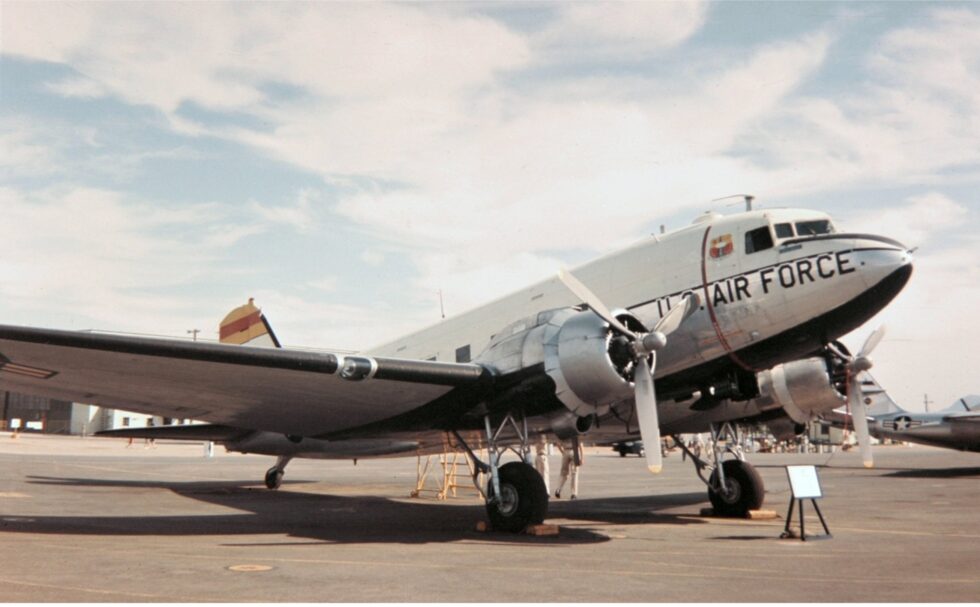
803,389
578,352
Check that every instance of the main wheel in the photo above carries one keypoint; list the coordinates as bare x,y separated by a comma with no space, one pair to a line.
745,490
523,498
273,478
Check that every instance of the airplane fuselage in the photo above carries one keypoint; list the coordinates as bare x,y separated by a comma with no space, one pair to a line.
764,298
935,429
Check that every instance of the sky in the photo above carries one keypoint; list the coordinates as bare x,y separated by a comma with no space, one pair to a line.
343,164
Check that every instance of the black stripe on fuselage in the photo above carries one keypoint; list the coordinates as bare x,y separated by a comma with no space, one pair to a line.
802,340
845,236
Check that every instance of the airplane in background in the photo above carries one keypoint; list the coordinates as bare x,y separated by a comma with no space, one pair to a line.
732,318
955,427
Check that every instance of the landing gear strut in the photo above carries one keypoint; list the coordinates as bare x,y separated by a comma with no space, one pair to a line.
273,476
734,485
516,496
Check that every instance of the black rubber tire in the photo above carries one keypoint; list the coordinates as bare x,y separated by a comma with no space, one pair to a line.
622,453
528,498
273,478
748,493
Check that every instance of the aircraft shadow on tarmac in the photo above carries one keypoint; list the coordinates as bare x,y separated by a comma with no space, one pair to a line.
342,519
935,473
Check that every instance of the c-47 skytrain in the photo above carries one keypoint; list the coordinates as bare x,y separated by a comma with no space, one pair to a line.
730,319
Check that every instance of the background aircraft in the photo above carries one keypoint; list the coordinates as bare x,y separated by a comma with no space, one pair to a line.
955,427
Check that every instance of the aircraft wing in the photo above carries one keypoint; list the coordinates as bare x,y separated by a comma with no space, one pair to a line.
838,418
278,390
195,432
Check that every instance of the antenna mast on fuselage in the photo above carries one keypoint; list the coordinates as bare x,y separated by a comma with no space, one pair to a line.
748,198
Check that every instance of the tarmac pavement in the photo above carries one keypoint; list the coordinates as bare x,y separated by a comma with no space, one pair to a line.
94,520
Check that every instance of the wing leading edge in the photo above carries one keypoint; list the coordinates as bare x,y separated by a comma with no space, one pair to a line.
279,390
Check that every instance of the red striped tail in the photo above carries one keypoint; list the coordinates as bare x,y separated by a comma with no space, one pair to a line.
247,325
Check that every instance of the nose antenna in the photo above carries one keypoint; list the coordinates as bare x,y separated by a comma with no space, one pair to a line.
748,198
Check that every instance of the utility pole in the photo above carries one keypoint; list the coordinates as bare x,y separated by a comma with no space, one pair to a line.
926,401
193,333
442,308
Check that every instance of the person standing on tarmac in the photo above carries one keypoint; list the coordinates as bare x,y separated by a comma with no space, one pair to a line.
541,462
571,459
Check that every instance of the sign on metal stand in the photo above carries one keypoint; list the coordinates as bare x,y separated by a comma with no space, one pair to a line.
804,484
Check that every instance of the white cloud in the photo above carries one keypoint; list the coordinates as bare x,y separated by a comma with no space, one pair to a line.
913,119
465,286
373,257
20,152
941,56
89,257
221,55
324,283
59,148
311,322
614,30
476,158
83,88
299,216
916,223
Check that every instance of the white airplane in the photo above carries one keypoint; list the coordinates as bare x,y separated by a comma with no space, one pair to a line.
729,317
955,427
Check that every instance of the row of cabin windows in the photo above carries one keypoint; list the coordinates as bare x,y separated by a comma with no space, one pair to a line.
760,239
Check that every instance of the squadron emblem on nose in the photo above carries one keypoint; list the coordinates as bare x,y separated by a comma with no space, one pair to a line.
721,246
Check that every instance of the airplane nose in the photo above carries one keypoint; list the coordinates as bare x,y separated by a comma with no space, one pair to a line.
884,264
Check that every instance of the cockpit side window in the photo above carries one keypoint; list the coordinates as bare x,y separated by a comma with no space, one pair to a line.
813,228
784,230
758,239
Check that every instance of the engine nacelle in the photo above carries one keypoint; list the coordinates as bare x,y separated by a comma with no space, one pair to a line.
577,359
573,346
802,389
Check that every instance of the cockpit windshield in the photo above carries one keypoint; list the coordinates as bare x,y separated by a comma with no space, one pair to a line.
814,227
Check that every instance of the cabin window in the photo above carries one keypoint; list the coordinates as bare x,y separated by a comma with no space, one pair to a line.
813,228
758,239
784,230
463,354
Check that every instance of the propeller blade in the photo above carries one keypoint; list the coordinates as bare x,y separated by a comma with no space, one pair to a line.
678,314
646,413
859,414
872,342
589,298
